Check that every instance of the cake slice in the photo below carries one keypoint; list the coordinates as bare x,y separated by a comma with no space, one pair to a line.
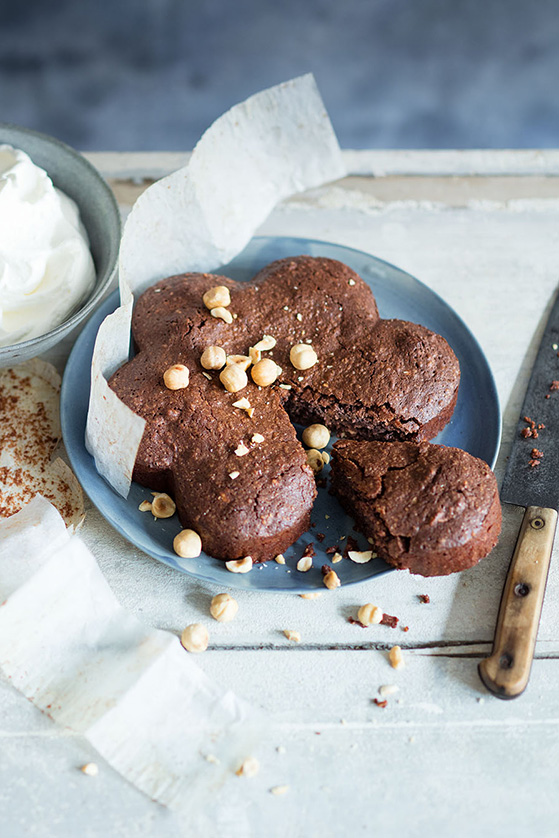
431,509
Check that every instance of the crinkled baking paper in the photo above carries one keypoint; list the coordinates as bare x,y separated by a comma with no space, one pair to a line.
132,691
276,143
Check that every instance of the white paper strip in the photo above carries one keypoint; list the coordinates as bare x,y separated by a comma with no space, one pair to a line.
278,142
134,692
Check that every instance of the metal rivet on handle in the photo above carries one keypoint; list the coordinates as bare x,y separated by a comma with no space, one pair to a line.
522,589
537,523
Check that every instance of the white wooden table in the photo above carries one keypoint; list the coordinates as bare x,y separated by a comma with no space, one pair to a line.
444,758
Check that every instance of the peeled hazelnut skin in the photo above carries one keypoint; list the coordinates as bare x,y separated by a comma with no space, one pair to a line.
302,356
223,608
265,372
233,378
195,638
187,544
316,436
176,377
217,297
213,358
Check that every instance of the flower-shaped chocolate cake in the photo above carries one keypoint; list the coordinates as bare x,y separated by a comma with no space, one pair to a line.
223,445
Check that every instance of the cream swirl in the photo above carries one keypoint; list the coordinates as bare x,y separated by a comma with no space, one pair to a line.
46,268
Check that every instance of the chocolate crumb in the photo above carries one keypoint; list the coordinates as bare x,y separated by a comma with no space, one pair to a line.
309,550
320,536
536,454
548,396
355,622
350,545
321,482
405,628
534,463
387,620
325,569
526,432
332,549
424,598
380,703
554,385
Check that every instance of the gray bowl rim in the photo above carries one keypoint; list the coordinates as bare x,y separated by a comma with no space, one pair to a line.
104,281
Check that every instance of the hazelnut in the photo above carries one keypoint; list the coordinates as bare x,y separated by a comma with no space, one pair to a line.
277,790
264,372
241,450
240,566
302,356
90,768
314,460
249,768
292,635
325,457
176,377
213,358
316,436
217,297
267,342
388,689
257,438
187,544
304,564
242,361
222,313
337,557
369,614
254,354
223,608
163,506
233,378
396,658
331,580
195,638
242,404
145,506
280,559
360,556
234,474
313,595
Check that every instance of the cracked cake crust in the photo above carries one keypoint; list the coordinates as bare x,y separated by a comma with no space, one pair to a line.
431,509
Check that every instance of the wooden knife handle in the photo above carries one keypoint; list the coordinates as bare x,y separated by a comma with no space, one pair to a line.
507,670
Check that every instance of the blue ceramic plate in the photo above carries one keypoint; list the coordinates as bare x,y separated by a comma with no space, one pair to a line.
475,425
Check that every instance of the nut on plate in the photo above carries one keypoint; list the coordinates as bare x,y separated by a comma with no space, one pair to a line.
223,608
176,377
233,378
316,436
217,297
187,544
195,638
163,506
302,356
240,565
213,358
304,564
331,580
314,460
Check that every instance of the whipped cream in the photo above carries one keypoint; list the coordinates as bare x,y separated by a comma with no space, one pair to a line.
46,268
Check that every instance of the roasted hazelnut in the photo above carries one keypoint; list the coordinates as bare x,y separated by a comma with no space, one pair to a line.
223,608
195,638
316,436
304,564
176,377
264,372
217,297
213,358
396,658
302,356
249,768
222,314
331,580
370,614
233,378
240,565
314,460
292,635
267,342
242,361
163,506
187,544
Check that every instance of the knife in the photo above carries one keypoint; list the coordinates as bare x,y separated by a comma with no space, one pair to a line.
532,481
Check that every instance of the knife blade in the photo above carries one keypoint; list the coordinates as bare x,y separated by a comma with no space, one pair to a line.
531,481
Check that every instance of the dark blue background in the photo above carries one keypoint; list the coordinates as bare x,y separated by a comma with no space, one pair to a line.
153,74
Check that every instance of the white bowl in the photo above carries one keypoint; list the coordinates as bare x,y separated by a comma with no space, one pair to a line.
76,177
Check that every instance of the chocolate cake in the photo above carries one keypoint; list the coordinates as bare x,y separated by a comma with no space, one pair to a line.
373,379
425,507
